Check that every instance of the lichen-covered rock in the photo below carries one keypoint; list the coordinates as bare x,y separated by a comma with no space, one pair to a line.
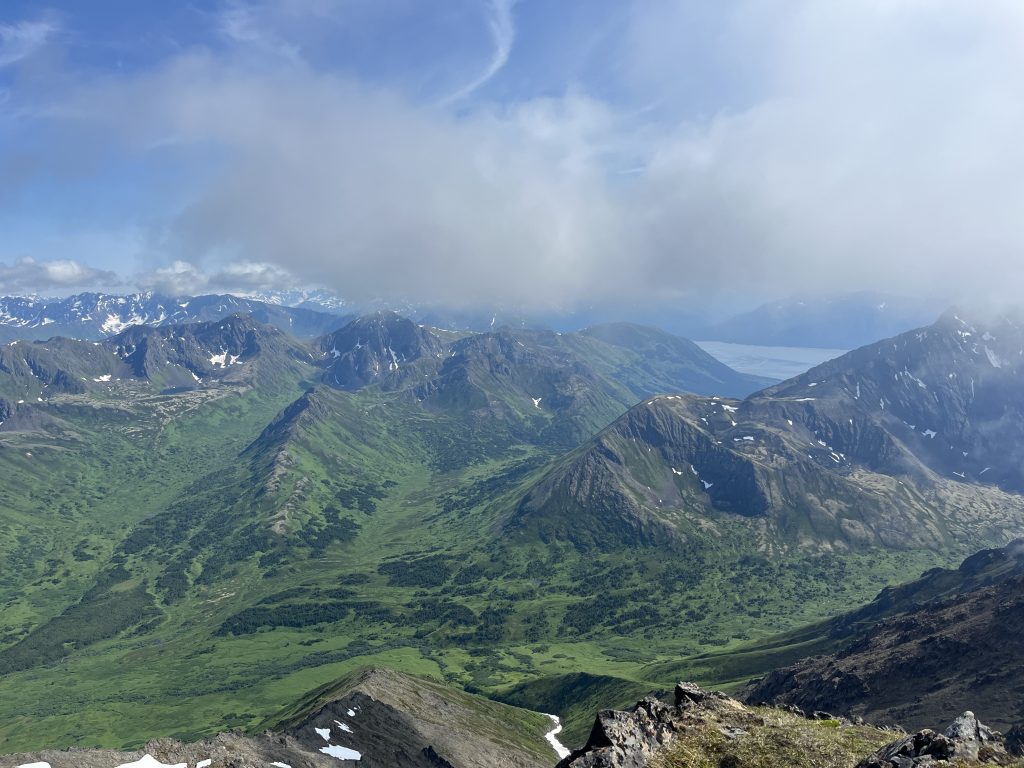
630,739
965,740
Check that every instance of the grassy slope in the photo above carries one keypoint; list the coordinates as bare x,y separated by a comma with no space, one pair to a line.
481,613
774,738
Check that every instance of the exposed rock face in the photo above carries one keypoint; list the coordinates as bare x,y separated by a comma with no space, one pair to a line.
377,349
958,629
631,739
965,740
906,443
1015,740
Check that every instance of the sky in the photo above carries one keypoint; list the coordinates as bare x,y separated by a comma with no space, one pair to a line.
546,153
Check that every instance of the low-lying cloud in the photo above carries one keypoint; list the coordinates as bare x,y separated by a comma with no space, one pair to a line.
62,275
181,278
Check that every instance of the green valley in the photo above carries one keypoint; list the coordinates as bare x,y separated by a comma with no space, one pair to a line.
178,562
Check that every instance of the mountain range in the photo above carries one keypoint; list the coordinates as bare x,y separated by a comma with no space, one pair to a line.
841,321
204,522
94,316
907,443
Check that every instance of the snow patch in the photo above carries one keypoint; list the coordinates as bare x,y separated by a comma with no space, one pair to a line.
536,401
151,762
342,753
113,324
325,733
931,433
281,765
204,763
552,737
994,360
343,727
34,765
104,377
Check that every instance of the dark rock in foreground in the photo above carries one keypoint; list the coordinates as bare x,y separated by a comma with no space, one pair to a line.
965,741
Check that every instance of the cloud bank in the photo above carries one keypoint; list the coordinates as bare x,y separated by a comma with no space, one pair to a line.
856,144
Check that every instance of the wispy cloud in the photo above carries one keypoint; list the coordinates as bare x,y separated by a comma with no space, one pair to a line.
241,24
20,40
503,31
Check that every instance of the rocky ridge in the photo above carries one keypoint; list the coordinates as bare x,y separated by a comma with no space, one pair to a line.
376,718
706,728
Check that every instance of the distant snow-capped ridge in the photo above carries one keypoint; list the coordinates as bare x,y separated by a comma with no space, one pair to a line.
99,315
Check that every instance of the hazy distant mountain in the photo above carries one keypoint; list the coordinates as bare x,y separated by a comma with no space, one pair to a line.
834,322
316,299
98,315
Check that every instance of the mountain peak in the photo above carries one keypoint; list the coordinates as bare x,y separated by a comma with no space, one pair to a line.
376,349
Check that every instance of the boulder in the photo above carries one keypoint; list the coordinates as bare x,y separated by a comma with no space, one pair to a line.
965,740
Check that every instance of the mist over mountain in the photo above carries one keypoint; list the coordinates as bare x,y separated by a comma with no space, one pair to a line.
843,321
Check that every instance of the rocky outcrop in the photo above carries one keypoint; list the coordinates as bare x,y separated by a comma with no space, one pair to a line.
630,739
708,728
966,740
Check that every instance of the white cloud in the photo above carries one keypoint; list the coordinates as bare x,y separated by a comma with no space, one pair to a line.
869,144
179,278
29,275
182,278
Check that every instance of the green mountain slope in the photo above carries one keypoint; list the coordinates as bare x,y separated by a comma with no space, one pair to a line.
222,549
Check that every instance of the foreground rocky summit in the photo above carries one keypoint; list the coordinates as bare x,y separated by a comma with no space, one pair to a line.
705,729
965,741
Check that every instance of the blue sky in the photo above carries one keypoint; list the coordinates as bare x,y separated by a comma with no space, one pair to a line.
533,152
